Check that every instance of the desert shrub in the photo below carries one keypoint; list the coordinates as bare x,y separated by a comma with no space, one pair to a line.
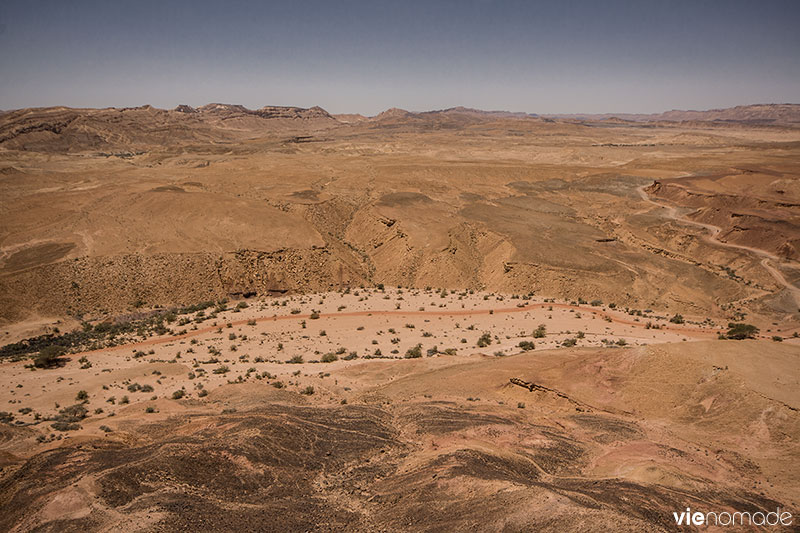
740,331
65,426
49,356
308,391
222,369
526,345
350,356
777,338
677,319
569,342
314,315
539,332
178,394
414,352
278,384
622,342
484,340
580,334
296,359
329,357
82,396
202,393
150,409
67,418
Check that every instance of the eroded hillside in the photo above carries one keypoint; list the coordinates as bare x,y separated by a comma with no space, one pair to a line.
143,207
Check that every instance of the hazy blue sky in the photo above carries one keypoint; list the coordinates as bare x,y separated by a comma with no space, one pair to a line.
365,56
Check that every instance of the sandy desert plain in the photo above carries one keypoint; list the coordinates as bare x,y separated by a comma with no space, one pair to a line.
223,319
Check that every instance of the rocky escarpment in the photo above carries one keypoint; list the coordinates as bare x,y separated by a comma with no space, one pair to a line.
94,285
62,129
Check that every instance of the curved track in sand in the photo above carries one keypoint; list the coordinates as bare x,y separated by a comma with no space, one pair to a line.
672,213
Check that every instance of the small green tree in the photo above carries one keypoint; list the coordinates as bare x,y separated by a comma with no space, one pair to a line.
485,340
741,331
49,356
414,353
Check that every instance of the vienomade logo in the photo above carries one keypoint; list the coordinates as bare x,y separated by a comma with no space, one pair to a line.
737,518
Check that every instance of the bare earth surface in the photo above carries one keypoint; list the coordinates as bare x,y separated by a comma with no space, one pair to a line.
545,354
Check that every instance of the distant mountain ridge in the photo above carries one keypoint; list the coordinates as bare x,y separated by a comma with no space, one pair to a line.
65,129
755,113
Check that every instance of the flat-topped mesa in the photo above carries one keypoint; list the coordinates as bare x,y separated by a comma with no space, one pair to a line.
292,112
218,108
268,112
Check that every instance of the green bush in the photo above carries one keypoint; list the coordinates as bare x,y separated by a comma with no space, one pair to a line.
414,353
49,356
740,331
484,340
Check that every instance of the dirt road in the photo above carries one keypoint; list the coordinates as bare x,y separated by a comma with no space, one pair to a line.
672,213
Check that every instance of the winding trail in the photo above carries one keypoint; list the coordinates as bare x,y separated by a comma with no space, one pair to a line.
672,213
